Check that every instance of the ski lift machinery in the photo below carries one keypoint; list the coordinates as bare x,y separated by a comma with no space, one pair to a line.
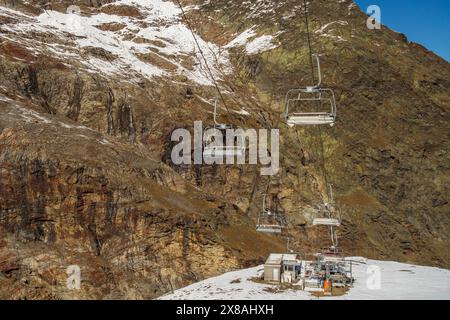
269,219
220,148
297,99
305,107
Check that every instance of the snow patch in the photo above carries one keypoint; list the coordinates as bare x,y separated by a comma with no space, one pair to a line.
252,43
398,281
323,28
160,22
260,44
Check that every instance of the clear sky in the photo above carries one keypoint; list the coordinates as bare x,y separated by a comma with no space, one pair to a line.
423,21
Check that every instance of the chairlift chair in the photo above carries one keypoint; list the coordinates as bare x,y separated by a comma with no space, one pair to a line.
297,99
269,219
221,149
329,207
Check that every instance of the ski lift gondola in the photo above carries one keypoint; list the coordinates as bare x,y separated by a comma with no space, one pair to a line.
270,220
214,148
299,104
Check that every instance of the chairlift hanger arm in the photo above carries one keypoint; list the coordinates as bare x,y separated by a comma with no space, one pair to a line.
319,73
306,13
215,113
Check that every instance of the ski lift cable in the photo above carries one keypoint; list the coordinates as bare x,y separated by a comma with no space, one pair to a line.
257,9
311,55
202,54
306,14
322,148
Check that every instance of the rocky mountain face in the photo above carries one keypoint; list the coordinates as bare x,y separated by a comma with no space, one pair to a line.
89,99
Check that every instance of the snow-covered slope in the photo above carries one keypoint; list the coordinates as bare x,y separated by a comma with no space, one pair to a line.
153,43
398,281
152,40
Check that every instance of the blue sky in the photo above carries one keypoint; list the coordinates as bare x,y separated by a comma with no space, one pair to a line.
424,22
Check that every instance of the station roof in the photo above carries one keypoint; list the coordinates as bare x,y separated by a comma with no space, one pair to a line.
277,258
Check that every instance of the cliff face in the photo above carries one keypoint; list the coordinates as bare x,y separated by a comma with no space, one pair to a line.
88,103
73,196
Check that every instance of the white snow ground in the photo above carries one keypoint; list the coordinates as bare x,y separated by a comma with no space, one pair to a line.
398,281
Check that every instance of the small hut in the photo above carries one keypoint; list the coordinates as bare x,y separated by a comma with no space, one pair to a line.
281,267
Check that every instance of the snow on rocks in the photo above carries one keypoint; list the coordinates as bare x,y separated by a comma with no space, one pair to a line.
398,281
252,43
325,27
242,38
153,43
261,8
158,32
326,30
260,44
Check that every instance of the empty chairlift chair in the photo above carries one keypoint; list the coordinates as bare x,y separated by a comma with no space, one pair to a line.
328,207
213,148
270,220
310,105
